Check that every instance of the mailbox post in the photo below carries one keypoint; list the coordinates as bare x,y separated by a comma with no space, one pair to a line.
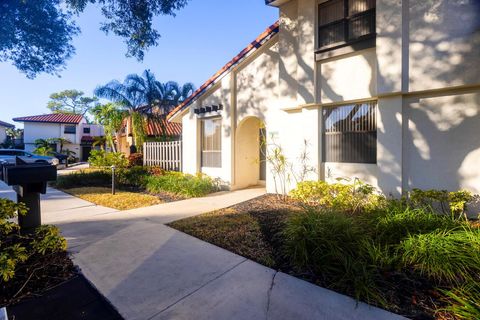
29,181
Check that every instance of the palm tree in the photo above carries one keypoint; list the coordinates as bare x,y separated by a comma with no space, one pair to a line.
61,141
140,94
133,95
111,117
99,141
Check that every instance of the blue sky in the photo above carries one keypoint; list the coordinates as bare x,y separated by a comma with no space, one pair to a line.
194,45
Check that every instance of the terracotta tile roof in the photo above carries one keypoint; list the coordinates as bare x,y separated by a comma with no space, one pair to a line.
52,118
257,43
6,124
155,128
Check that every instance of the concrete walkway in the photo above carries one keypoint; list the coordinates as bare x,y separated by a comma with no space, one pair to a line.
150,271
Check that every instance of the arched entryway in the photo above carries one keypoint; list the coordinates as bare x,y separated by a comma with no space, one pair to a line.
250,167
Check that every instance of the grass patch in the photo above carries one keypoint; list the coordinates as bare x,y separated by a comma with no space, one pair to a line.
122,200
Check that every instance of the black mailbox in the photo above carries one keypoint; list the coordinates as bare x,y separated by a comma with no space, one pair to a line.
29,181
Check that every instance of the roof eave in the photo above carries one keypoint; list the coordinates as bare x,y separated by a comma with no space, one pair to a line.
253,47
52,122
275,3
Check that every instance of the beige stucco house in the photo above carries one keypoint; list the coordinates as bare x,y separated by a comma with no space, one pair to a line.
387,91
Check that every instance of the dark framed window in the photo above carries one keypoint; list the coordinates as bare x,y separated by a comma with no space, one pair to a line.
86,130
341,22
70,129
350,133
211,142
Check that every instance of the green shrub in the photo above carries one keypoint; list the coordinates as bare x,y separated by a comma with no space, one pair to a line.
134,176
181,184
124,177
353,197
332,245
97,178
465,301
452,256
100,158
16,249
48,239
8,211
454,203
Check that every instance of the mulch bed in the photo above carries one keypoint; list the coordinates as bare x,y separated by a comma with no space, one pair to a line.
50,287
73,299
253,229
35,276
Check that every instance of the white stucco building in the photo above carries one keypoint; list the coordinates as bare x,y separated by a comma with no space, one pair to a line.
72,127
387,91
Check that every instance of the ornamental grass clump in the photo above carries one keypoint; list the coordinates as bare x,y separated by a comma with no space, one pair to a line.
332,245
444,256
465,301
397,221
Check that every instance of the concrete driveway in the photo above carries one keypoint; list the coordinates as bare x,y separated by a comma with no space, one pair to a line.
150,271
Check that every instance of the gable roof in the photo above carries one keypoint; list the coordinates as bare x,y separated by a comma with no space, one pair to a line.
256,44
6,124
52,118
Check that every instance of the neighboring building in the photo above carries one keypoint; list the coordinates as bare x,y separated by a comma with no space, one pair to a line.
3,130
156,129
387,91
72,127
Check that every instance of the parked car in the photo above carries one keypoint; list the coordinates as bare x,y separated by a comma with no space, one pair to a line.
10,154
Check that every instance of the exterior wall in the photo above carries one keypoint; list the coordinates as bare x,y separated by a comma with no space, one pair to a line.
444,43
423,73
34,131
442,145
348,77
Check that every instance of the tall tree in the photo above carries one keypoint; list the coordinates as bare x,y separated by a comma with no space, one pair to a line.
111,117
70,102
139,94
36,35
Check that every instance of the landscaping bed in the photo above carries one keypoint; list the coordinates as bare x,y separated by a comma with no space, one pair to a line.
136,187
36,276
408,259
32,263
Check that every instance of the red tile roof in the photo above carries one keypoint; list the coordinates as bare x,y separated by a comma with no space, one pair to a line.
6,124
52,118
156,128
257,43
